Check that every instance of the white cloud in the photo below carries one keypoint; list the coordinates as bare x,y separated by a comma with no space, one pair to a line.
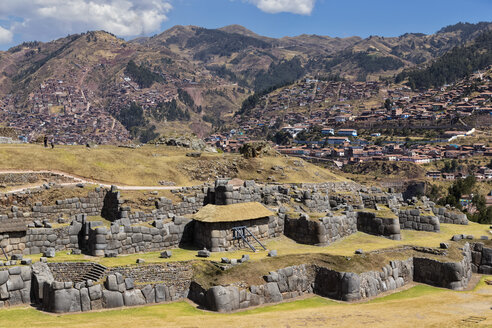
302,7
44,19
6,36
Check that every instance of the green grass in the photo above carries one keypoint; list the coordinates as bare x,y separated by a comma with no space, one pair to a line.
416,291
286,246
432,305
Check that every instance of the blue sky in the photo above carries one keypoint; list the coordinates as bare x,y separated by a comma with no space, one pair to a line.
335,18
44,20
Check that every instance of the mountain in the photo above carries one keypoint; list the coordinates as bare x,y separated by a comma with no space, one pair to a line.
455,64
187,78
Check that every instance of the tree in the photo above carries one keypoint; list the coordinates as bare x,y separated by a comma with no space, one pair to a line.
388,104
282,138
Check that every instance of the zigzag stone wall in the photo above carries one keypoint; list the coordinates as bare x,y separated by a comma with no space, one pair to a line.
322,231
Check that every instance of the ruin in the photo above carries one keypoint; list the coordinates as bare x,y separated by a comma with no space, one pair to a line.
220,217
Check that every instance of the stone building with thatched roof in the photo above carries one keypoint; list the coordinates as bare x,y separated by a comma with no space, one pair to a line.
219,227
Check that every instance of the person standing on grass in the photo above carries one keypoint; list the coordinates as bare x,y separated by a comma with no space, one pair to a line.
45,142
52,143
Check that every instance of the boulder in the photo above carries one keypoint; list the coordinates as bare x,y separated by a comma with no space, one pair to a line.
129,284
149,294
112,299
160,293
95,292
4,276
85,301
49,253
15,282
166,254
41,275
133,297
272,292
66,300
350,287
111,283
203,253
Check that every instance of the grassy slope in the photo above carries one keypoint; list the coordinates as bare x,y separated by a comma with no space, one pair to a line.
416,307
144,166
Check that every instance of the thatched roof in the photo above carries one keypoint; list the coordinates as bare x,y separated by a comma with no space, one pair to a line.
232,213
13,225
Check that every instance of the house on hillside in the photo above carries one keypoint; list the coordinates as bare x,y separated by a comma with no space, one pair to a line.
347,132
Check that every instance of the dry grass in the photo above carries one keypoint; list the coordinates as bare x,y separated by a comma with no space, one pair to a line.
383,212
148,165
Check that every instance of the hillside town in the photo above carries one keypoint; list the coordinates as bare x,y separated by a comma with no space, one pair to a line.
328,108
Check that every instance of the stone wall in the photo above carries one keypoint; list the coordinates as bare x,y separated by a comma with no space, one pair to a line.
116,209
413,219
15,286
175,276
322,231
280,285
117,291
218,237
91,205
348,286
481,258
370,200
452,275
129,239
392,276
38,240
14,242
69,271
368,222
445,215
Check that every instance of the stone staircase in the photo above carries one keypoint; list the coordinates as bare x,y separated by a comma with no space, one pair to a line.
96,273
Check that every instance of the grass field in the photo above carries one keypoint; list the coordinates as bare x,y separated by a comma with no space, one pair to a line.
419,306
286,246
147,165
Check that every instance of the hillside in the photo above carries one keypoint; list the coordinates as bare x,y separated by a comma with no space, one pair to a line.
456,64
149,165
99,88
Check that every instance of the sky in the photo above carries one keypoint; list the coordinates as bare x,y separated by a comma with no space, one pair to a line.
45,20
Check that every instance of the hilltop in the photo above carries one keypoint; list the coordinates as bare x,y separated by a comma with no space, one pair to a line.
99,88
